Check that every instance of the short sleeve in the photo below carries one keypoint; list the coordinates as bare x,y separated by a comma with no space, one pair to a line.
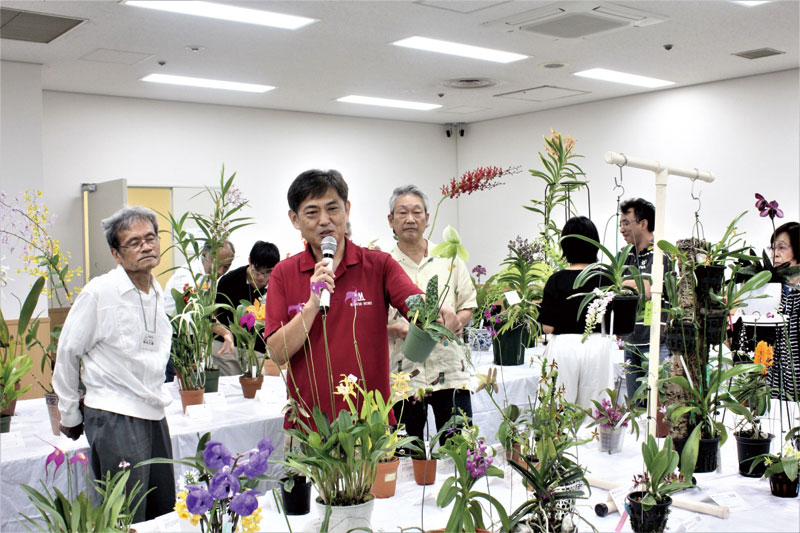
277,308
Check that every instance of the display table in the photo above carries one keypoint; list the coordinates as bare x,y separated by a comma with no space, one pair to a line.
234,420
760,510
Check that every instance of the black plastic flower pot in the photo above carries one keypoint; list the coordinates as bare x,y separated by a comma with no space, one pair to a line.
624,310
715,324
212,380
418,344
681,336
653,519
747,449
508,348
709,277
783,487
706,453
298,501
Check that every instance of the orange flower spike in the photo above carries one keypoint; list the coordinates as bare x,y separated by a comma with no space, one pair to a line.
763,355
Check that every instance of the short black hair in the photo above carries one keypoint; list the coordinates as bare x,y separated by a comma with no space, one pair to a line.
642,210
264,255
792,229
577,250
314,184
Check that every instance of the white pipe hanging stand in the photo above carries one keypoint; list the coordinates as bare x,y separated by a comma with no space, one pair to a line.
661,172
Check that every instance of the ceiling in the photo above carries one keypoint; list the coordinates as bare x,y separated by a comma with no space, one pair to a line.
348,51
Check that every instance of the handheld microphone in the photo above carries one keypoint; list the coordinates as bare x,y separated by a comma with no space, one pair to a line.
328,250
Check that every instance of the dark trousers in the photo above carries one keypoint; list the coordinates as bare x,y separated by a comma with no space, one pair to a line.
445,404
114,438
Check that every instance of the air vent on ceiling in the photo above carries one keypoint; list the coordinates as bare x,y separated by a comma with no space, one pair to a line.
34,27
759,53
469,83
542,93
577,20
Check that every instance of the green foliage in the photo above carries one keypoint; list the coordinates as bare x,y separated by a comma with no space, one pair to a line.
661,480
249,358
62,513
424,311
459,489
15,362
561,177
527,280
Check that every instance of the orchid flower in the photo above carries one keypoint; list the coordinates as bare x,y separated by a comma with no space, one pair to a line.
451,246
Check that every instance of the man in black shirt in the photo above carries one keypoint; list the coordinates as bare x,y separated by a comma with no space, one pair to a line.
637,222
249,283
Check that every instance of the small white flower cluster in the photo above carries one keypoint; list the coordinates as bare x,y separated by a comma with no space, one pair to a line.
596,310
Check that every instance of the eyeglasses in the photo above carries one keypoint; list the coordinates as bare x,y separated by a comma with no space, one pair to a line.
626,223
137,245
780,248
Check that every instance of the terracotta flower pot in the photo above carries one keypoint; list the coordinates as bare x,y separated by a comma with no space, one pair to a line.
662,429
515,453
191,397
386,479
424,471
250,385
271,368
51,399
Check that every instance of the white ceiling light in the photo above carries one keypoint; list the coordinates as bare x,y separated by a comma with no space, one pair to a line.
751,4
226,12
386,102
207,83
623,77
457,49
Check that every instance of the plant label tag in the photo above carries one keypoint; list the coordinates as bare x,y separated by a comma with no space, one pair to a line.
12,439
619,494
512,297
215,399
148,341
199,412
648,312
729,499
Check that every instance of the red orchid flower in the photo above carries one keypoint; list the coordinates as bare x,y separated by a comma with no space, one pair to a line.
766,208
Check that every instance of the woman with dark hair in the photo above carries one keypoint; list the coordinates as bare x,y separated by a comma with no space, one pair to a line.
584,368
784,374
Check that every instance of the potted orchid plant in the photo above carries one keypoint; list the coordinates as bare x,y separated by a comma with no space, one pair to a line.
612,418
247,327
424,329
220,492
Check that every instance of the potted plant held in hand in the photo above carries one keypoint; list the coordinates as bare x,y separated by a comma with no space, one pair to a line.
247,327
648,507
424,330
617,299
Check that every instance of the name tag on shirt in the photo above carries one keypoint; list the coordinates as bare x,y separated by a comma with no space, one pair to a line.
149,341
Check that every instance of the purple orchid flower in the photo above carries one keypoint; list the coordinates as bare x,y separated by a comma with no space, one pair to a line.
295,308
57,457
256,465
265,445
248,321
223,485
81,458
351,296
766,208
216,455
245,503
479,271
317,286
198,500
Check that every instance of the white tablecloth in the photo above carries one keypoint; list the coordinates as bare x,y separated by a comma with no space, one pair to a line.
240,423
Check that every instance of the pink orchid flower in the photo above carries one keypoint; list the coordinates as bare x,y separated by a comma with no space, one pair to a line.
81,458
56,456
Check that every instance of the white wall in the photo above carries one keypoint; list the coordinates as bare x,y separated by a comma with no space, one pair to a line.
96,138
20,164
746,131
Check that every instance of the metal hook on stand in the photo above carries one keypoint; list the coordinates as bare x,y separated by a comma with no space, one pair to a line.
621,188
701,234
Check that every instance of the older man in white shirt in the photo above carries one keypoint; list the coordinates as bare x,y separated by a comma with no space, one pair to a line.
116,340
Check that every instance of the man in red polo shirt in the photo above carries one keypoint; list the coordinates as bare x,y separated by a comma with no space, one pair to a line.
362,284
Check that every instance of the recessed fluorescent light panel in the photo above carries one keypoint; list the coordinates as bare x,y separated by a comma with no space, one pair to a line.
457,49
226,12
209,84
623,77
750,4
386,102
